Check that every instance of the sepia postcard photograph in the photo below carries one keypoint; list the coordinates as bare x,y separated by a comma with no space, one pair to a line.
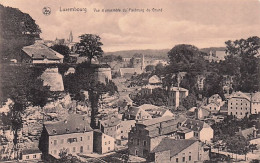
129,81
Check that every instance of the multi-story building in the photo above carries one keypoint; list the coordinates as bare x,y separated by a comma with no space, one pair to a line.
103,143
200,81
182,150
176,95
111,127
255,105
242,104
146,135
73,135
239,104
202,130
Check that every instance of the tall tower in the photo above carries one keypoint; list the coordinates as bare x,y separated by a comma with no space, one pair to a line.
70,37
142,64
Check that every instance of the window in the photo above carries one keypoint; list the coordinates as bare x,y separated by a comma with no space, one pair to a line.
71,140
81,149
231,103
55,142
88,147
144,143
55,152
121,131
183,159
108,148
241,113
241,108
230,107
34,156
236,113
189,158
138,141
177,159
27,157
88,137
105,143
74,149
81,138
108,142
62,141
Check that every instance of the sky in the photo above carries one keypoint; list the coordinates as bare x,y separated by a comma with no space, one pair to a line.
203,23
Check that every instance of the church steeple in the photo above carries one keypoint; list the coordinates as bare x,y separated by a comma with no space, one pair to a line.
70,37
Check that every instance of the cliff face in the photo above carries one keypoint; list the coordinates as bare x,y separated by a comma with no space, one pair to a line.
51,77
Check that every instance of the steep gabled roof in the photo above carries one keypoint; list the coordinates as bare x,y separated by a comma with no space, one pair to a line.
175,146
195,125
133,111
74,123
110,122
240,95
156,120
40,51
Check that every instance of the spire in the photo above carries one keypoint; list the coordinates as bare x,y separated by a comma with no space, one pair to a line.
142,66
70,37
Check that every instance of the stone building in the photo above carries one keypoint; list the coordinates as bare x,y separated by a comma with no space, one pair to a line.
103,143
146,135
40,53
182,150
74,135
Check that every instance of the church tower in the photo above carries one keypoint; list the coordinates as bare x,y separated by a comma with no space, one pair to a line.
142,64
70,37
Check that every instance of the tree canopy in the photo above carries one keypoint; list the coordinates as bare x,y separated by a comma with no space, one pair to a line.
89,46
63,50
18,29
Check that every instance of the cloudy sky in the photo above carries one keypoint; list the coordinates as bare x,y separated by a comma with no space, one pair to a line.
203,23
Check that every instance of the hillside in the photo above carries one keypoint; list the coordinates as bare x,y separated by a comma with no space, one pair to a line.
213,49
162,54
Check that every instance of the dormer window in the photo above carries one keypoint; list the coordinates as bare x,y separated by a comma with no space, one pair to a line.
67,130
54,131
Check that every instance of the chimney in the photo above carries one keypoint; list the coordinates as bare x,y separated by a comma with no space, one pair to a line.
239,129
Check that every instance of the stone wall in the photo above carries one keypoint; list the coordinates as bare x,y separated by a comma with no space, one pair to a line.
51,77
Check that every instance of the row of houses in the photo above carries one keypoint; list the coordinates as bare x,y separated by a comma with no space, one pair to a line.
151,139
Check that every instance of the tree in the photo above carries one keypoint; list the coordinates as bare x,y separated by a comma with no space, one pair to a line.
183,56
18,29
89,46
242,59
63,50
189,101
24,88
150,68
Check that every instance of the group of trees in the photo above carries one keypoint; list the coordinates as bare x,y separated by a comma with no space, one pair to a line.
22,85
18,29
159,97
